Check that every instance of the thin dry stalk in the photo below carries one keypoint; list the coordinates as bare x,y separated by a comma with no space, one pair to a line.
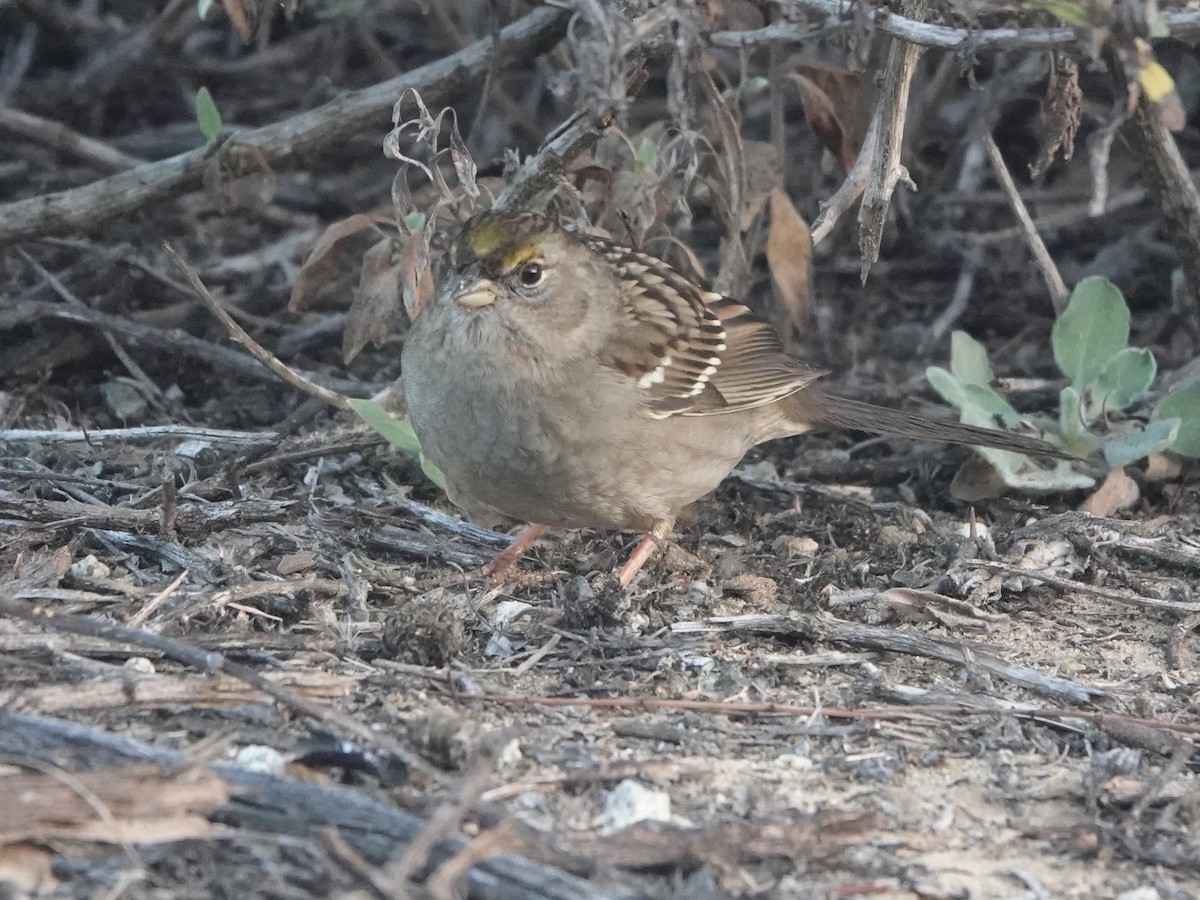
1054,281
239,334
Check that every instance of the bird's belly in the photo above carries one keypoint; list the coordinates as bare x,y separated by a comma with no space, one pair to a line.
576,460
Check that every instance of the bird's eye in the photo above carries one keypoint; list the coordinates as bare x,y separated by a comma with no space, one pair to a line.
530,274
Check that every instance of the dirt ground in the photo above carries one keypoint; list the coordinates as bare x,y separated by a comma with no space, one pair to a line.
250,654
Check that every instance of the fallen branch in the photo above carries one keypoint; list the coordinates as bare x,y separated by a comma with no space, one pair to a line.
897,640
211,662
1181,25
265,804
351,113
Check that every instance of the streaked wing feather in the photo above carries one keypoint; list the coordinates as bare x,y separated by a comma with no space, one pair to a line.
693,351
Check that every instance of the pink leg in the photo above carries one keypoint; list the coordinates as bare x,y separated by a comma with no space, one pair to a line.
514,551
643,551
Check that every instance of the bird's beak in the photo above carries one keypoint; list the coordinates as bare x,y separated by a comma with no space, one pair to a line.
475,295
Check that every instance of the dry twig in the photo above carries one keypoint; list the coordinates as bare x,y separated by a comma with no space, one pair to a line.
1054,281
95,203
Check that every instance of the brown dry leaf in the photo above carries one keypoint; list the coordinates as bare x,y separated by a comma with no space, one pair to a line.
789,257
375,309
923,606
26,869
416,275
976,480
324,256
1118,492
1062,111
822,115
237,16
1162,467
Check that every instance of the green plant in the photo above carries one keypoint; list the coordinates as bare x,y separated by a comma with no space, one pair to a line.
1090,341
398,432
207,116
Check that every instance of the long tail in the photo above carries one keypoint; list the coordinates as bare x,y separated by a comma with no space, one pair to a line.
859,416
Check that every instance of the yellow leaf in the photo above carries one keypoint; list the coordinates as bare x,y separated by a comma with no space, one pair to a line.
1156,81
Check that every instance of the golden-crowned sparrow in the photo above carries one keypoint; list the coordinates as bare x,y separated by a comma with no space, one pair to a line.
564,379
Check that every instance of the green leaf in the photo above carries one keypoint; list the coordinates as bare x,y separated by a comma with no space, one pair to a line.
414,221
1070,416
1159,27
952,390
1080,13
1185,406
968,360
398,432
647,157
1092,329
1124,378
1036,480
1140,443
207,115
992,405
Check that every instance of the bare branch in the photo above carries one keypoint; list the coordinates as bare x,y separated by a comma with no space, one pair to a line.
91,204
886,169
1181,25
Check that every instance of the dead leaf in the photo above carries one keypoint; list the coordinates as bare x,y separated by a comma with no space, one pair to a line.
26,869
1159,87
324,256
1162,467
789,257
1062,111
823,117
1118,492
375,309
416,275
237,17
923,606
762,171
976,480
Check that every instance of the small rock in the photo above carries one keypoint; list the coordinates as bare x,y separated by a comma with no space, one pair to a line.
631,802
124,400
676,559
257,758
88,569
894,536
796,547
757,589
140,665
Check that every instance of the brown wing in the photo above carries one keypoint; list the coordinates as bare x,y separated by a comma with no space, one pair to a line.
693,351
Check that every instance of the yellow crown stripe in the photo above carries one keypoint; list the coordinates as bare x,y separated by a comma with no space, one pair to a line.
495,240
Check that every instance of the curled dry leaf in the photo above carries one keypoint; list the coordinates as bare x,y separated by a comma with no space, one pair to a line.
1062,111
238,18
1162,467
416,275
789,257
913,605
1118,492
977,480
822,115
324,256
375,309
